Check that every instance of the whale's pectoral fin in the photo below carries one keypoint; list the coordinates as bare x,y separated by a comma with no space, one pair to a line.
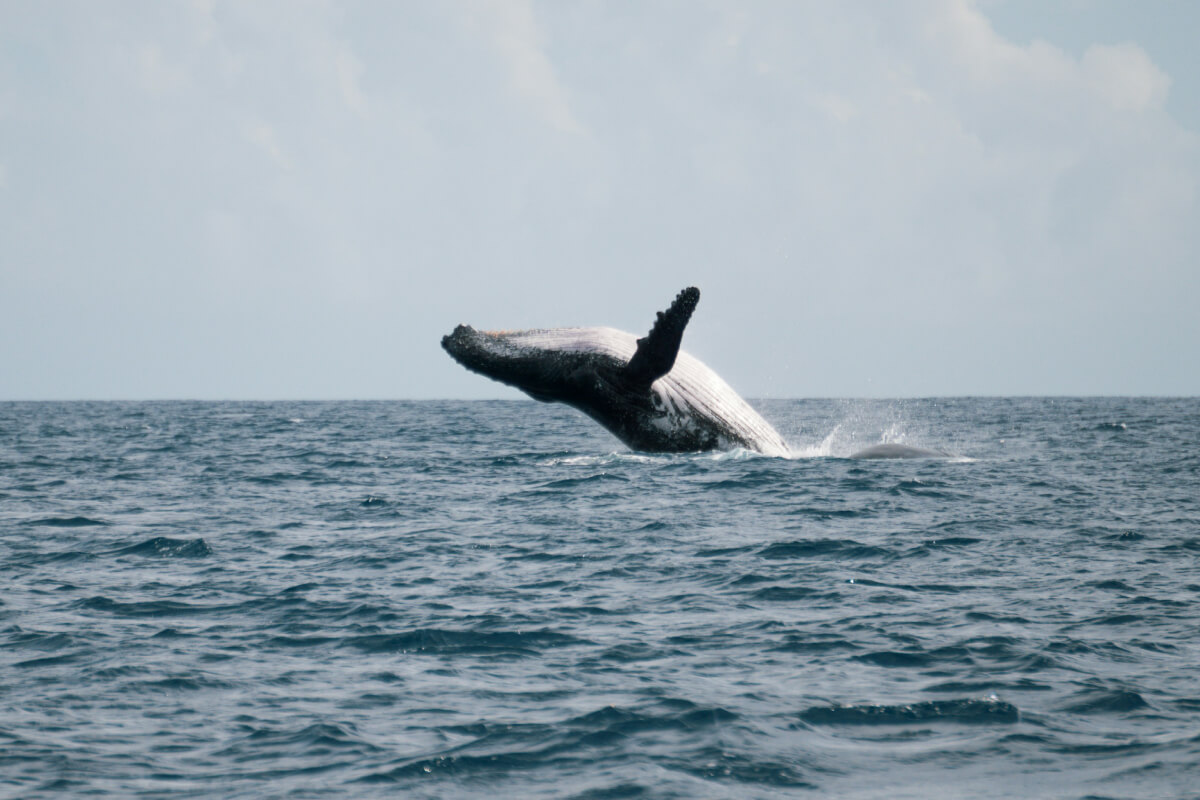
656,350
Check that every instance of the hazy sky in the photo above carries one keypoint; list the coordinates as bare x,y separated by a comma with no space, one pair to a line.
298,199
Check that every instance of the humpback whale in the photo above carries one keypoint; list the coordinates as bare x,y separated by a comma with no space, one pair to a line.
647,392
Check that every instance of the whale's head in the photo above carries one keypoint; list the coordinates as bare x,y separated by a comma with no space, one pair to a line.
516,358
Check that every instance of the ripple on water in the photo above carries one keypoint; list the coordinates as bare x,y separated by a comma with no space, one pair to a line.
65,522
824,548
969,711
166,547
441,641
451,599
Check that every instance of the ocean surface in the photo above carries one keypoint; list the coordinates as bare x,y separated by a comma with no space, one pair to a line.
497,599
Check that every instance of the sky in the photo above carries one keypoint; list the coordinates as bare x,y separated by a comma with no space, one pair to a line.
297,200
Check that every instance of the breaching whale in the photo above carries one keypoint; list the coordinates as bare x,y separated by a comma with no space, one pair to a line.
647,392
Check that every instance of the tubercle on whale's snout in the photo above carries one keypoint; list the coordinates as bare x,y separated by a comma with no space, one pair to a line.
455,341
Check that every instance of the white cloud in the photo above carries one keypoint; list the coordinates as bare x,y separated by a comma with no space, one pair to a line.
1125,77
1122,75
158,76
836,106
960,30
206,24
262,135
349,72
513,31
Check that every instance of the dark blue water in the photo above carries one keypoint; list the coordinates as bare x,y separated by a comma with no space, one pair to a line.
494,599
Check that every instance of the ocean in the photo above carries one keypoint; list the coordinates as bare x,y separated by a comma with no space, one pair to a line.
482,599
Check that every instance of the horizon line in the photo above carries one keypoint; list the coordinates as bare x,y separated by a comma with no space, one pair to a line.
1051,396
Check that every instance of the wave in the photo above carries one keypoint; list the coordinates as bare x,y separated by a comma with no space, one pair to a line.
824,548
165,547
65,522
151,608
609,732
314,739
434,640
1105,701
989,710
571,483
784,594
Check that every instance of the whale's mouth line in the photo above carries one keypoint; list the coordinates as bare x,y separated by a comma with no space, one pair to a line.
474,349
